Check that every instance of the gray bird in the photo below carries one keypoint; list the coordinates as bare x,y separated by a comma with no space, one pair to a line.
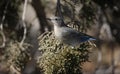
68,35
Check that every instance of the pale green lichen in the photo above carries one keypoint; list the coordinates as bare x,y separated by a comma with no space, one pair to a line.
59,58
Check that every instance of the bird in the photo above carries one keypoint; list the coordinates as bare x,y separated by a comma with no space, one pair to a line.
67,34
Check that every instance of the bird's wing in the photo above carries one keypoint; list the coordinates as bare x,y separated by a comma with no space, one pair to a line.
71,33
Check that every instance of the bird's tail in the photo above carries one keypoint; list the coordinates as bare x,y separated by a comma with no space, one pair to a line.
90,39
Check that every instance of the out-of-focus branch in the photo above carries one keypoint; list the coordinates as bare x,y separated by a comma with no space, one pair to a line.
24,25
40,11
1,26
58,9
24,10
3,36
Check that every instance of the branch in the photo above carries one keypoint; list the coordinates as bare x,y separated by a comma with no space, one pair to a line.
24,10
59,12
58,9
24,25
1,26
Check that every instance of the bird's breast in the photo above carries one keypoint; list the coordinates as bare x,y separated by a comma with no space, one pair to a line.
58,32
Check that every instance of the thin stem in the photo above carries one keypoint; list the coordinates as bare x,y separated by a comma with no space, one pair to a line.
112,60
58,9
3,36
59,12
24,25
24,10
24,35
1,26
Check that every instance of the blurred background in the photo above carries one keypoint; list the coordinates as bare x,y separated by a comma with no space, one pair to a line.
23,21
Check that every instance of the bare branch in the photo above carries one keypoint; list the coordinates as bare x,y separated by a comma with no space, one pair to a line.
1,26
24,25
24,10
58,9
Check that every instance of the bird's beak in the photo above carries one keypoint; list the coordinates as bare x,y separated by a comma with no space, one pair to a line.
48,19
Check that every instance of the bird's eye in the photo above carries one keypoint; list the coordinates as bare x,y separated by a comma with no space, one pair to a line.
56,19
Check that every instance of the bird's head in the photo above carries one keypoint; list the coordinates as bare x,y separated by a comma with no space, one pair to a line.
57,21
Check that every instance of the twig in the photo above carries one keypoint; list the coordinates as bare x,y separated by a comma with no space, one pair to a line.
58,9
1,26
59,12
112,60
111,69
14,70
92,44
24,25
